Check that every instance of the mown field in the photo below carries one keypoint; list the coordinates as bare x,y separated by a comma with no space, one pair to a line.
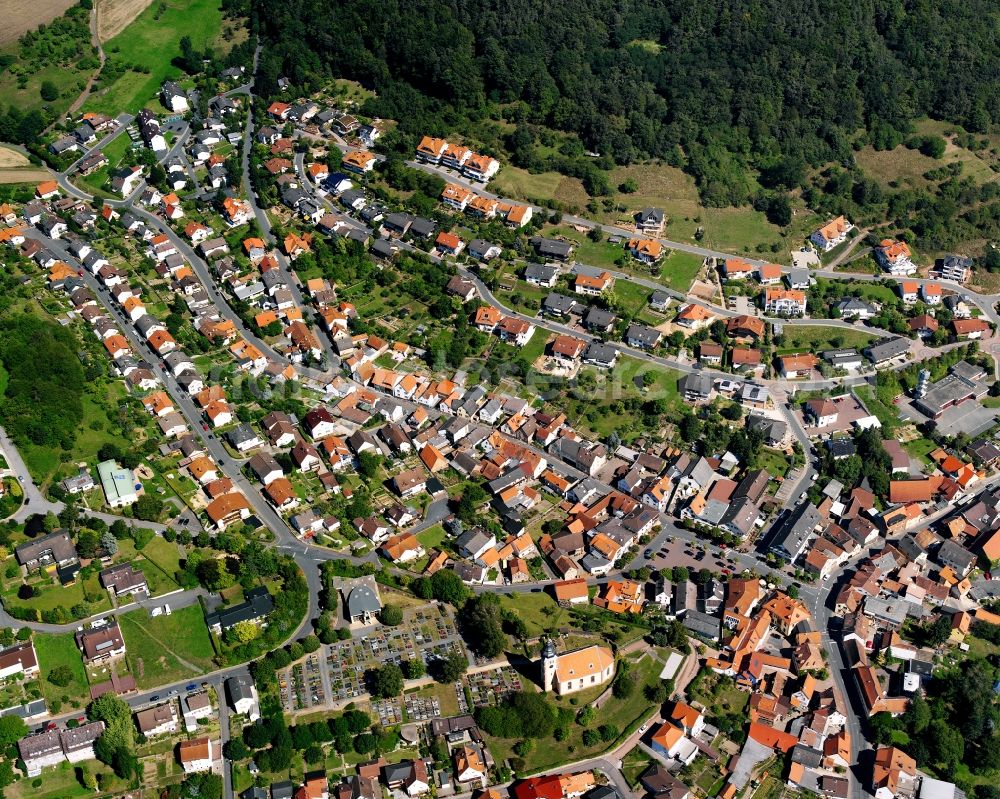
150,43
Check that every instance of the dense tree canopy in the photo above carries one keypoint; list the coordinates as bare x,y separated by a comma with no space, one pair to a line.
43,400
715,85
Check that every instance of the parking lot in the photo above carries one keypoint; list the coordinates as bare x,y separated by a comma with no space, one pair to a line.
684,553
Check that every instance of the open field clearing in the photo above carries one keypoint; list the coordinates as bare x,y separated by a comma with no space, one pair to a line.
113,16
905,167
33,174
12,158
151,43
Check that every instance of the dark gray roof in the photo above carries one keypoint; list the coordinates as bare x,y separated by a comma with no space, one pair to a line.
791,536
561,304
258,604
54,547
887,349
741,514
599,353
551,247
598,318
239,687
702,624
541,272
282,790
362,600
240,434
422,227
696,383
806,755
642,336
383,248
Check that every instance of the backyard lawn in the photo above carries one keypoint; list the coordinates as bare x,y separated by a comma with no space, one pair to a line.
816,338
432,537
599,407
167,649
776,463
679,269
54,594
60,782
631,296
634,764
602,254
60,650
888,416
163,556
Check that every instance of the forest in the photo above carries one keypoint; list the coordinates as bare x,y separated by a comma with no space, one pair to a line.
723,88
42,400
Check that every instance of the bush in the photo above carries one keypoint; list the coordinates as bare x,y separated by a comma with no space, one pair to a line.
60,676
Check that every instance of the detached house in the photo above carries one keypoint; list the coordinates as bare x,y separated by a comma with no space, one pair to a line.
790,302
894,257
649,251
593,285
831,234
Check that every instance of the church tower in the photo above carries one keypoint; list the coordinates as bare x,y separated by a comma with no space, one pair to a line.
549,660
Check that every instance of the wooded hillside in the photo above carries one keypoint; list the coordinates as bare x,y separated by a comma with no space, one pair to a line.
715,86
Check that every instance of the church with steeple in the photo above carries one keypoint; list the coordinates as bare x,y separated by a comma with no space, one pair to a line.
574,671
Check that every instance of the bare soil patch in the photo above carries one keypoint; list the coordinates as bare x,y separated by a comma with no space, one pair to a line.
27,175
12,158
113,16
21,16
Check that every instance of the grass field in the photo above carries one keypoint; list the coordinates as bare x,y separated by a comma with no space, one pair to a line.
600,410
635,762
744,229
905,167
776,463
60,782
920,448
160,562
166,649
432,537
61,650
632,296
519,184
888,416
876,292
57,595
679,269
539,612
815,338
113,16
601,254
152,41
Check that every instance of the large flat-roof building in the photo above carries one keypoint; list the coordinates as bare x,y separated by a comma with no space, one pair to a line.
118,484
